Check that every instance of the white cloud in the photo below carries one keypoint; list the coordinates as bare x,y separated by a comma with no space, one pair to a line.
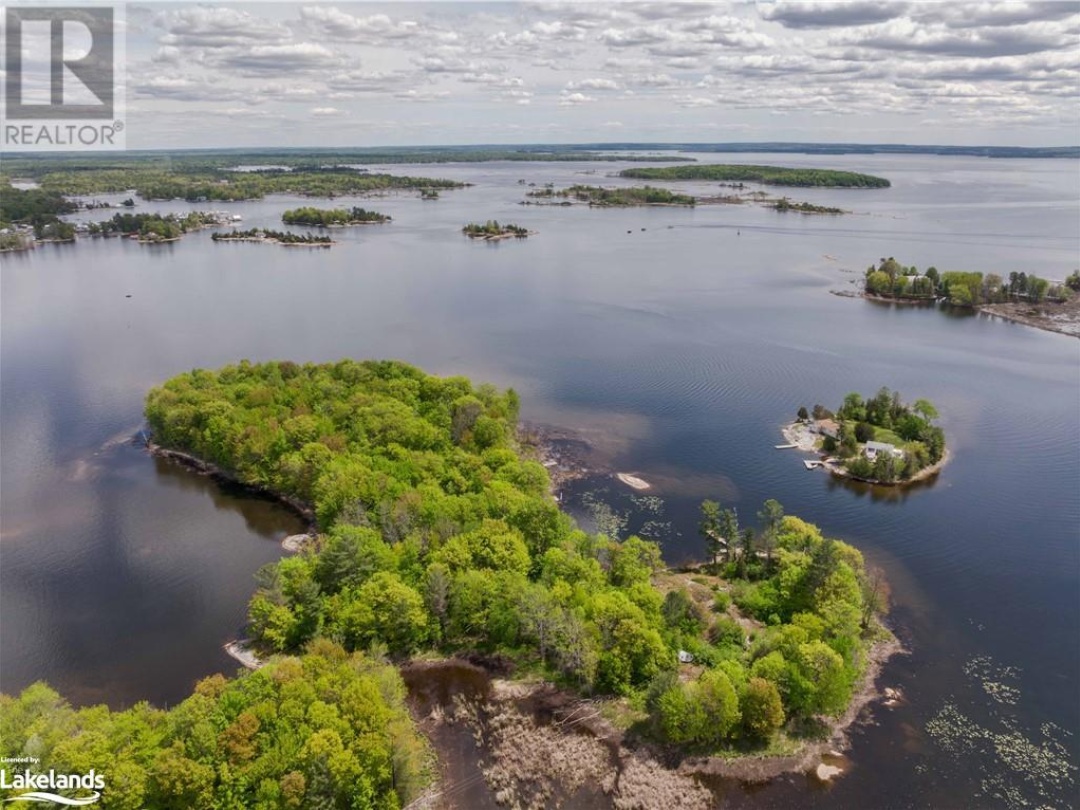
283,59
831,14
654,80
660,64
695,101
574,99
424,96
326,112
335,23
592,84
218,27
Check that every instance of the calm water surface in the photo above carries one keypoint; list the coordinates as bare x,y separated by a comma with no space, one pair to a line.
679,340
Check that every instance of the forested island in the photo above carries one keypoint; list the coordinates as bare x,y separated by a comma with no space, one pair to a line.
330,217
890,279
784,205
154,228
880,440
1021,297
436,535
322,729
767,175
614,197
492,230
271,237
202,185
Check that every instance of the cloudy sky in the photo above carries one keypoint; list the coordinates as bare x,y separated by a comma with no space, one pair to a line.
873,71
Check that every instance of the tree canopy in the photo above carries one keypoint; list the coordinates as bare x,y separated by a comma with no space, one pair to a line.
887,420
325,729
438,534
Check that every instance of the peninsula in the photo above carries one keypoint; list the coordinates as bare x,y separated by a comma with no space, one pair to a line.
199,184
879,440
1022,297
766,175
28,216
439,537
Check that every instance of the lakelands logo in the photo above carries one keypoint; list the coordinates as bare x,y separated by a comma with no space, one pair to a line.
62,78
40,788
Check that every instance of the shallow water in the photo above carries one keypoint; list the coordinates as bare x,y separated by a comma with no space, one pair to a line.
679,349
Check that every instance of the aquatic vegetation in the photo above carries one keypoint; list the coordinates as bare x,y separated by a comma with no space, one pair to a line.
994,679
1021,768
653,504
608,522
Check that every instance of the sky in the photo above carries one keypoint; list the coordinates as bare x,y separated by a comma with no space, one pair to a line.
406,73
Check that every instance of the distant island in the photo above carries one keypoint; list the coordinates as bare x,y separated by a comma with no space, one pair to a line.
615,197
155,228
1021,297
766,175
784,205
202,184
879,440
269,237
492,230
332,217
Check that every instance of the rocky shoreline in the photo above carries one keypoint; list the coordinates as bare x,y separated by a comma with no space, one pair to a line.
1062,319
301,509
533,744
750,768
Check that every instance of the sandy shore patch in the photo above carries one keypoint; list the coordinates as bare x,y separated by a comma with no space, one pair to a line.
800,435
295,543
242,651
633,481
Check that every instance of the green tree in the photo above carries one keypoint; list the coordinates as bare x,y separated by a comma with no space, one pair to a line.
709,528
771,514
762,710
729,530
925,408
382,609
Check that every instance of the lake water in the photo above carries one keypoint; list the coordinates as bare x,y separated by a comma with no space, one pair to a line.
677,340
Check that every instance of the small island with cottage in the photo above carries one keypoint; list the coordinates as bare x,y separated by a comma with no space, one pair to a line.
880,440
